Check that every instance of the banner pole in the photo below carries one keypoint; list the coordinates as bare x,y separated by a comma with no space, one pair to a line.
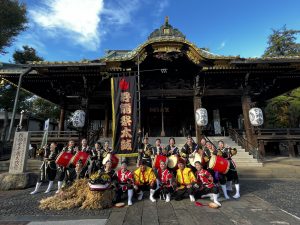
139,93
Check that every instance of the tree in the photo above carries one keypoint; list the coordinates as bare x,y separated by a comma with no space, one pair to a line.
282,42
38,107
28,102
12,22
26,55
44,109
284,110
7,97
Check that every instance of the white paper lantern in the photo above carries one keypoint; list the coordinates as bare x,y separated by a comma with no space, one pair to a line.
256,116
201,117
78,118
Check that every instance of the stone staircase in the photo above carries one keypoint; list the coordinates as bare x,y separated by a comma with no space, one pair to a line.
242,158
33,165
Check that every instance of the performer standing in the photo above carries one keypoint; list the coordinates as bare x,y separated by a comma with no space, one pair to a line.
96,158
185,179
188,149
209,150
207,153
67,174
158,148
165,179
232,175
84,146
202,143
48,169
145,152
172,149
202,146
144,179
125,183
205,185
106,147
106,152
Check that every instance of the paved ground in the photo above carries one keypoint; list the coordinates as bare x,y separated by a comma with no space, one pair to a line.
262,202
284,194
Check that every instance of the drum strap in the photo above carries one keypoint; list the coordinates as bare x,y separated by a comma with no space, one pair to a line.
144,179
182,177
146,158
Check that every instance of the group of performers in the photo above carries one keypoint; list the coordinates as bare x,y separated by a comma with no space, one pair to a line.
191,170
194,170
67,173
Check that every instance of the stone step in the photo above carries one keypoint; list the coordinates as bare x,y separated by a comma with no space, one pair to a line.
245,162
32,165
248,163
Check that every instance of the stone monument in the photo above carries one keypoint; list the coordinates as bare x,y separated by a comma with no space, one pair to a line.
17,177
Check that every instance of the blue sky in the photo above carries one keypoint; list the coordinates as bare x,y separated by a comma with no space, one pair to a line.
70,30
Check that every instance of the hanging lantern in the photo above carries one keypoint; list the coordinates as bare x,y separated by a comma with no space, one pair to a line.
201,117
78,118
256,116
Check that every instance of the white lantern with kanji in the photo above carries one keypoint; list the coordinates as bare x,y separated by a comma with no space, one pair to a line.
256,116
201,117
78,118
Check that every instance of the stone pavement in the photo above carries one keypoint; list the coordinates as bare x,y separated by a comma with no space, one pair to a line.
262,202
249,210
267,198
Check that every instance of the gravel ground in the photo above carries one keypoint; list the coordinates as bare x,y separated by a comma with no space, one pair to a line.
284,194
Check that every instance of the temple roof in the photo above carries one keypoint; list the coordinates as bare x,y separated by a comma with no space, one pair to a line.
164,39
166,30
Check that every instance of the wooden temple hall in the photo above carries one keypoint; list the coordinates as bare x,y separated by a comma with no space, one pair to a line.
174,77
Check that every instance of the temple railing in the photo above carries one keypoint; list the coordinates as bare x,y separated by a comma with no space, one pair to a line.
280,133
249,147
54,135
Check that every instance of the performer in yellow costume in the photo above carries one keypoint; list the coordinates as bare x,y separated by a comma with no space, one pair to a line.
144,179
185,180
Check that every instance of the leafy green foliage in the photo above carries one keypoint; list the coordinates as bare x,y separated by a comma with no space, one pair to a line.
43,109
7,98
283,111
25,55
282,42
12,22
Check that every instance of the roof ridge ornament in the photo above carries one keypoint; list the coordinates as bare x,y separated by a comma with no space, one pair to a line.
166,20
166,30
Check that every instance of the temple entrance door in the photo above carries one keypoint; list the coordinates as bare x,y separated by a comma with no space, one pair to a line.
178,117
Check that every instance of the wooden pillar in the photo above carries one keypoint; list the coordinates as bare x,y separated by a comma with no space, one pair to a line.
106,122
61,125
250,136
261,148
292,149
197,105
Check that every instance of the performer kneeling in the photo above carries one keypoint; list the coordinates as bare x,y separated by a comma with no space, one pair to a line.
165,178
144,179
125,183
205,184
48,169
185,179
